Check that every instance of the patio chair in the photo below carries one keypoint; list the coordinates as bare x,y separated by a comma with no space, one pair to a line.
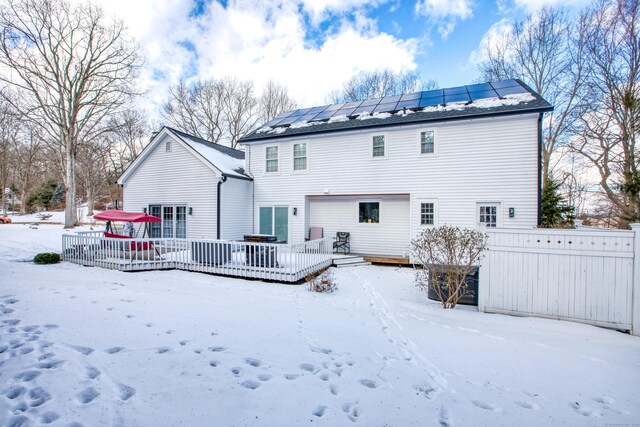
315,233
342,243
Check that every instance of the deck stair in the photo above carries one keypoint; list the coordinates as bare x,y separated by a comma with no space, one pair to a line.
349,261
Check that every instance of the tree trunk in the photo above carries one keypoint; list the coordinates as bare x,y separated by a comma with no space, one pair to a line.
70,216
90,201
23,200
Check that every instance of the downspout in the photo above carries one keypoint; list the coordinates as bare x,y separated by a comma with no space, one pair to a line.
222,179
540,169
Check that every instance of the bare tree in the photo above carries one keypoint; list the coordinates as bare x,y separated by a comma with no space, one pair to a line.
376,84
608,127
9,128
240,109
92,173
544,50
71,68
275,100
29,164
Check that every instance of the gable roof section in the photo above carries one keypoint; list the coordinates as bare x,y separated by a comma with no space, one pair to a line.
463,102
228,161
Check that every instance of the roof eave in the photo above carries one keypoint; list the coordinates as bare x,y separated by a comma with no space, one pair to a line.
251,139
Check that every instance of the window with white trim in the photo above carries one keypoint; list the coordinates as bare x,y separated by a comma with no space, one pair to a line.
299,157
377,146
167,145
488,215
427,213
174,221
427,142
272,159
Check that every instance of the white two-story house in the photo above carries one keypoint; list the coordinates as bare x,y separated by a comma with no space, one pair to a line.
385,169
381,169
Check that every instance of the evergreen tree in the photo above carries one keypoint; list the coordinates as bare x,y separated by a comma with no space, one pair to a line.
555,210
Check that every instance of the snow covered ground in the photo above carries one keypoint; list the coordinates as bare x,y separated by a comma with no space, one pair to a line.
57,217
86,346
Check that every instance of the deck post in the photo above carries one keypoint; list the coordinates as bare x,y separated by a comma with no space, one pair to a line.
635,288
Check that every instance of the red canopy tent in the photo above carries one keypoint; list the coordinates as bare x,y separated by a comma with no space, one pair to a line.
116,215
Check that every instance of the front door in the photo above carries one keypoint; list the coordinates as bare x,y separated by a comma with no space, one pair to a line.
274,220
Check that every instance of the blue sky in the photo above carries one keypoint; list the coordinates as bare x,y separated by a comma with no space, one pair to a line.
313,46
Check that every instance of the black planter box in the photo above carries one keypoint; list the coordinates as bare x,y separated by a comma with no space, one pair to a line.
470,298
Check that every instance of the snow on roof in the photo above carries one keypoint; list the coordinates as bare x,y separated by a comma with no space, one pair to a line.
224,162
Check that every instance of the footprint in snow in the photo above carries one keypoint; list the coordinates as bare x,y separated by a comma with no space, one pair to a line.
148,325
486,405
320,350
38,396
368,383
444,417
3,348
126,392
25,350
319,411
526,404
584,410
253,362
425,390
17,421
81,349
217,349
163,350
333,389
308,367
51,364
48,417
291,376
46,356
14,391
324,376
11,322
214,363
87,395
114,350
183,342
92,373
351,410
26,376
250,384
11,301
264,377
236,371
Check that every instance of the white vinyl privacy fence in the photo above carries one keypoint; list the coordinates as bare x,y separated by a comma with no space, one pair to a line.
584,275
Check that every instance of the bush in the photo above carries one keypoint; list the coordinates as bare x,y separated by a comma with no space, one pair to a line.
325,282
447,255
47,258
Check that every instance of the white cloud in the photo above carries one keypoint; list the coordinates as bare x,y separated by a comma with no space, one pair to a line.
534,5
445,12
259,41
494,37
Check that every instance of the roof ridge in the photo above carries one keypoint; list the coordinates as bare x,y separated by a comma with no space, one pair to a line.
231,152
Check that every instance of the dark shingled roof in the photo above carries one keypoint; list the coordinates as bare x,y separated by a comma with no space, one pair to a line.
538,104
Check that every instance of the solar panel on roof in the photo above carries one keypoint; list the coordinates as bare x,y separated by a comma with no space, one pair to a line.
386,107
408,96
455,90
389,99
479,87
431,93
364,109
483,94
372,101
307,117
273,122
287,121
352,104
326,114
510,90
504,83
344,112
318,109
301,112
460,97
431,101
334,107
411,103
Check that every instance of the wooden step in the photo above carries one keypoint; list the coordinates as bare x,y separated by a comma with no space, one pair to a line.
350,261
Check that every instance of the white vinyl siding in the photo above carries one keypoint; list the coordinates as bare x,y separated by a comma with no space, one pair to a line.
488,159
161,180
300,157
389,237
236,213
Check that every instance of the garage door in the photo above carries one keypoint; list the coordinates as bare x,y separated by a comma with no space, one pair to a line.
378,225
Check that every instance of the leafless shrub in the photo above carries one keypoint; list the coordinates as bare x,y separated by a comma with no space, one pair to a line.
325,282
444,256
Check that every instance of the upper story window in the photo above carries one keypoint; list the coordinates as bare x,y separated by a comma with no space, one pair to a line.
427,213
167,145
427,142
378,146
299,157
272,159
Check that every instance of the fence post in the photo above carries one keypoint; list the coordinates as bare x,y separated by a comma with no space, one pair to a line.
483,278
635,288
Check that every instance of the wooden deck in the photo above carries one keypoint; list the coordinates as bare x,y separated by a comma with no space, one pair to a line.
380,259
276,262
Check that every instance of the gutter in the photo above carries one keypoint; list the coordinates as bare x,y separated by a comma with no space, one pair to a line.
540,169
218,209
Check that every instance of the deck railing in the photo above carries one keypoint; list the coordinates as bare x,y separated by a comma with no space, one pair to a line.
270,261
